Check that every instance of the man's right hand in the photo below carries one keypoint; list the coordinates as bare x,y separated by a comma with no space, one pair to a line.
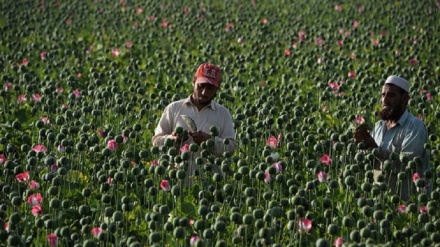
362,134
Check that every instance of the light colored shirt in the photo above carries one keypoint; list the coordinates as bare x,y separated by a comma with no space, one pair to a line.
213,114
407,137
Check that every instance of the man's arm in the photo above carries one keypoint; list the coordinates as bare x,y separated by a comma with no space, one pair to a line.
225,141
164,128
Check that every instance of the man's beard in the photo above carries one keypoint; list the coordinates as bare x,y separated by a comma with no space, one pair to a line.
391,113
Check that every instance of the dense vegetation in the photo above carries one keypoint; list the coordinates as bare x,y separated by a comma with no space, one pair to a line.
85,82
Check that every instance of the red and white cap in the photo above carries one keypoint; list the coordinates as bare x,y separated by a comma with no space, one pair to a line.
210,73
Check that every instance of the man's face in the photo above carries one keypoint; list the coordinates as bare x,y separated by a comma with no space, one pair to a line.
204,92
393,102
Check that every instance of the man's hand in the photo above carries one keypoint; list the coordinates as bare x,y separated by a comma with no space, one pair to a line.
199,136
362,134
178,137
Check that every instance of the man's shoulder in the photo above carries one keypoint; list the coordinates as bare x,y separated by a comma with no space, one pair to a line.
413,120
220,107
177,102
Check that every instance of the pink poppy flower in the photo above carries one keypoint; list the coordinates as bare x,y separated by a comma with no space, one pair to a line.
110,180
413,61
112,145
304,225
36,97
3,159
320,60
338,7
359,120
375,42
52,239
334,86
39,148
286,52
128,44
401,208
165,185
322,176
339,242
267,177
355,24
45,120
7,86
154,162
193,240
151,18
272,142
24,62
22,177
54,167
340,43
61,148
423,209
43,55
79,75
37,210
397,53
21,98
139,10
77,93
240,40
264,20
428,96
302,35
352,56
34,185
415,177
325,159
319,41
361,8
184,148
6,226
124,138
229,26
96,231
164,23
115,52
352,74
35,199
278,167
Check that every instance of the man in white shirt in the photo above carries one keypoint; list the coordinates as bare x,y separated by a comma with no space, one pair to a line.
204,111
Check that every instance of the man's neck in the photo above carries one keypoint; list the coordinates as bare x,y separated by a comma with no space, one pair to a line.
197,104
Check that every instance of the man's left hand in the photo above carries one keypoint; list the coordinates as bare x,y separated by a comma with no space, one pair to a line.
199,136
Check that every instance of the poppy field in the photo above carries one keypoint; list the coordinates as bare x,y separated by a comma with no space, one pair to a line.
84,84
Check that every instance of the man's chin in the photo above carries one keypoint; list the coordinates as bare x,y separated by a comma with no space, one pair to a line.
385,114
203,101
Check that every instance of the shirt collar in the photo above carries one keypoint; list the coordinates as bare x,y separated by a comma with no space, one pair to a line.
188,101
403,118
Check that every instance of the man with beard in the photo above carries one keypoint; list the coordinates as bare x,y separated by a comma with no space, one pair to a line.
208,116
398,139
